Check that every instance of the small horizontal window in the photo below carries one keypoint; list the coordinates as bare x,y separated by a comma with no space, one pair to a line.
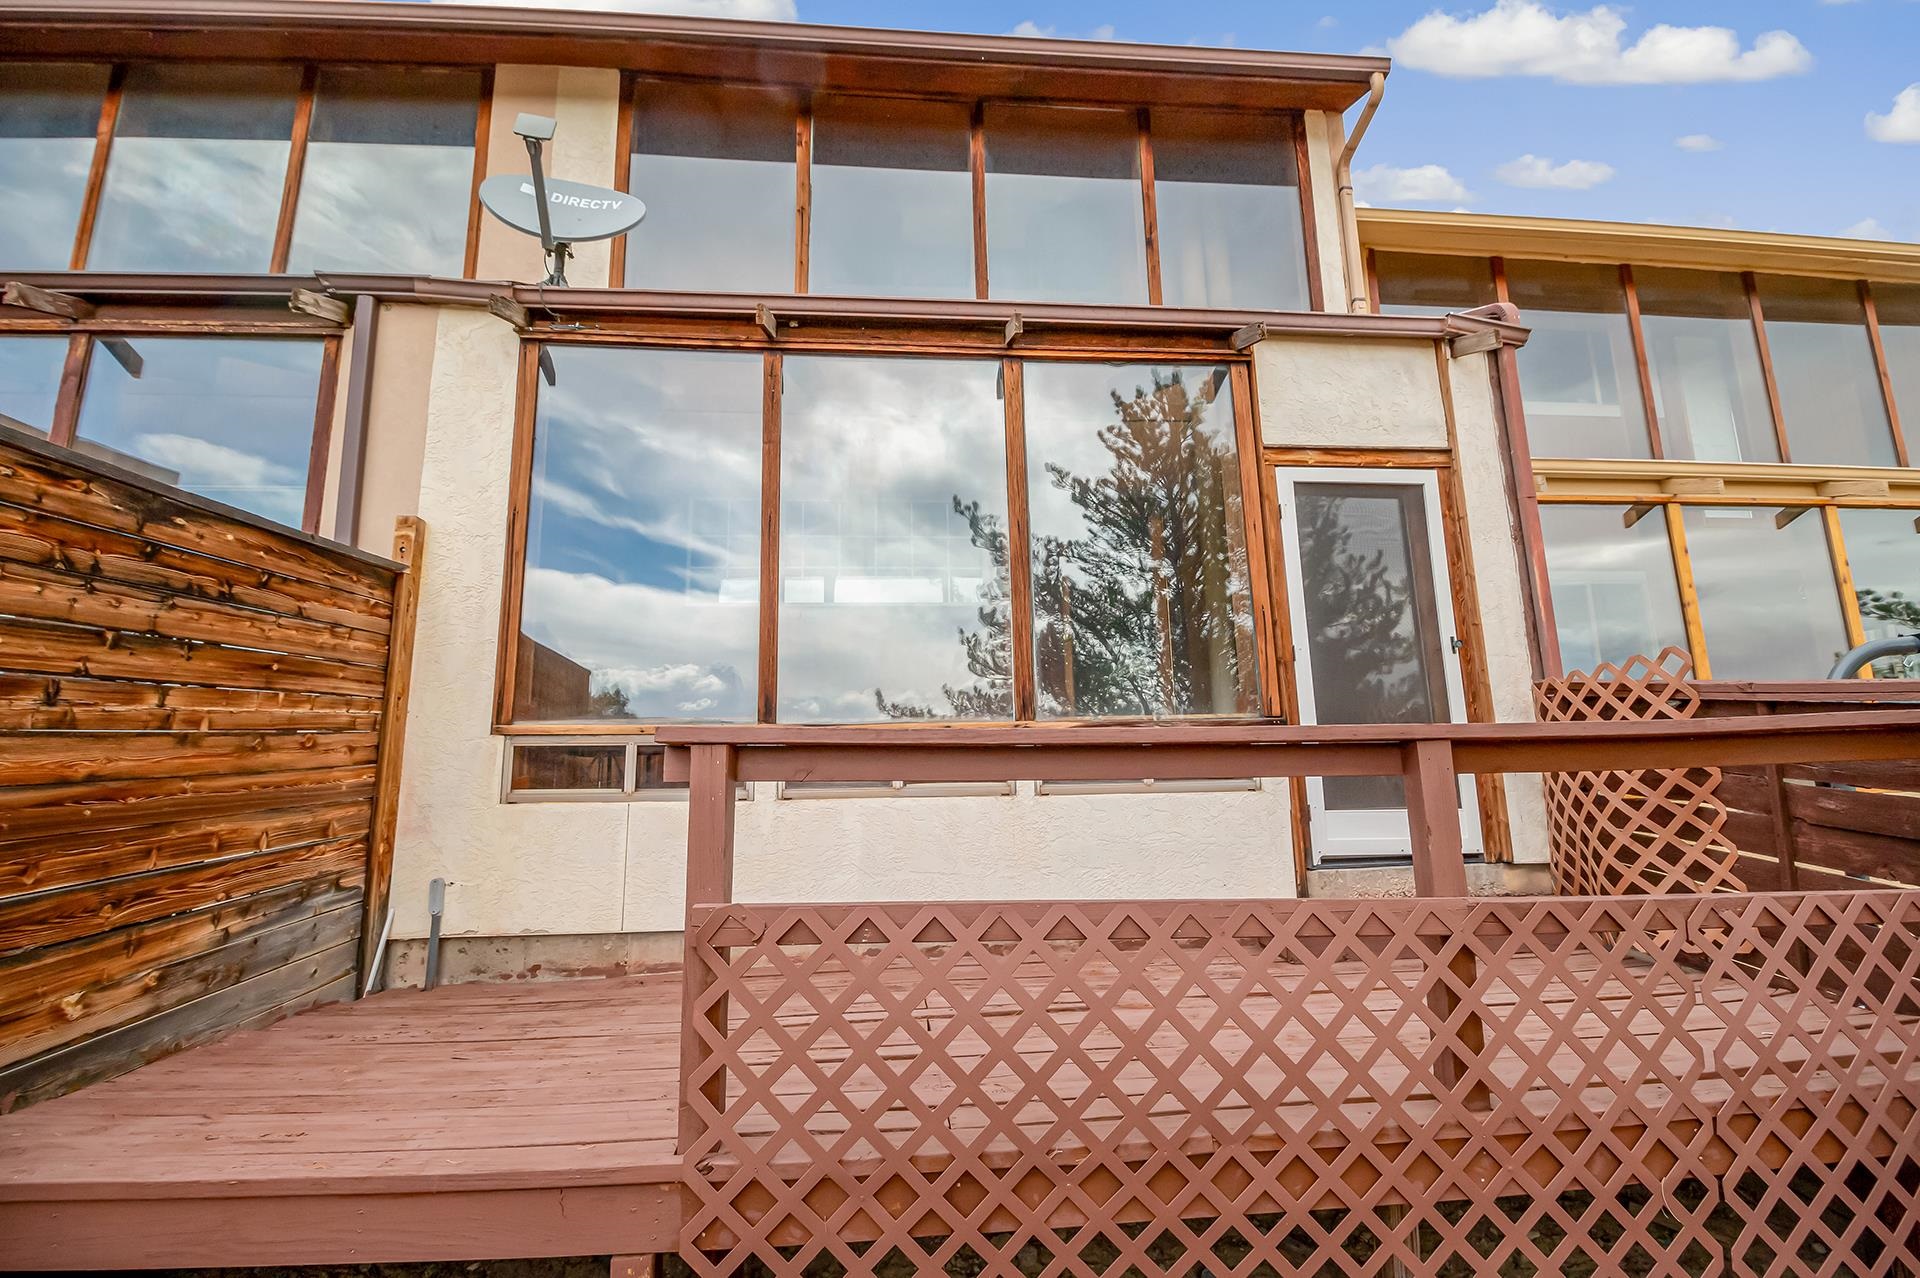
891,789
1152,785
549,769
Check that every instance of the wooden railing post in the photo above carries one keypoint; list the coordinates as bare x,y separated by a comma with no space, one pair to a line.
714,776
1440,869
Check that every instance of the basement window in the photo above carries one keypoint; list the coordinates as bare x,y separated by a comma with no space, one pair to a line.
892,789
571,769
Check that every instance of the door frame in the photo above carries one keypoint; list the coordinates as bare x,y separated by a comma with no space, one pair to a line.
1379,833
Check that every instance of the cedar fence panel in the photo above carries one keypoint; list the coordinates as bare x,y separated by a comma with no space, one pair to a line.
198,718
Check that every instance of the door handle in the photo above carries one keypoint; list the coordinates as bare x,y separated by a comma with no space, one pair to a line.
1453,643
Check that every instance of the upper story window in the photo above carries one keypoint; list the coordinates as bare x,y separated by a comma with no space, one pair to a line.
1431,283
715,165
1830,397
214,168
1065,222
371,127
1709,392
1227,201
30,368
1897,309
1578,378
755,190
48,118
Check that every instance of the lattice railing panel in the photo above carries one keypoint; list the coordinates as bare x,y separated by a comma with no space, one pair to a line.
1649,1085
1622,833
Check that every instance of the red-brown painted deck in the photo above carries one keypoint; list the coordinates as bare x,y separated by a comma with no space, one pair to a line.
479,1121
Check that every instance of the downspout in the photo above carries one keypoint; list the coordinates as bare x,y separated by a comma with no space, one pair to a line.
1350,256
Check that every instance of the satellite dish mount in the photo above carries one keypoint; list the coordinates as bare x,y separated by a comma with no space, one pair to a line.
536,131
560,212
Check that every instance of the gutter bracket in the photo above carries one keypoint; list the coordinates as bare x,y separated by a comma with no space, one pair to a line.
510,311
46,301
307,302
1015,327
1474,343
1248,335
763,316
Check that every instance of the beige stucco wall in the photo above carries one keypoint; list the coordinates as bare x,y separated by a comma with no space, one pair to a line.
396,420
1326,134
584,103
1342,393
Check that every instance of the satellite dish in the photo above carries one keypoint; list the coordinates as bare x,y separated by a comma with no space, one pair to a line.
575,210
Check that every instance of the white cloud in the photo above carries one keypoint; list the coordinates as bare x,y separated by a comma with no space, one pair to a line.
1029,27
1540,172
1902,124
205,464
1327,23
1422,183
760,10
1867,228
1698,142
1524,37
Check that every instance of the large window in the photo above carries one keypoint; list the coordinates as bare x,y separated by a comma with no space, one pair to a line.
371,129
1065,221
30,370
1823,368
894,583
231,418
1431,284
1883,554
1227,199
1710,394
715,167
48,118
640,595
892,211
903,562
1614,595
1578,377
1139,555
1768,603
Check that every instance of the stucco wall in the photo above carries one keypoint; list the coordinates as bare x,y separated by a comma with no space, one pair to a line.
584,103
1341,393
1326,134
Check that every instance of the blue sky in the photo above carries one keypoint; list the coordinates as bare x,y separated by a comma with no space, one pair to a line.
1553,109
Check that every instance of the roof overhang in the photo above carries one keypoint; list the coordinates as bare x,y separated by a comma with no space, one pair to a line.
1706,248
795,54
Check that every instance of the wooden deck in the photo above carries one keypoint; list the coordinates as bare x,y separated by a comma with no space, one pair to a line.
474,1122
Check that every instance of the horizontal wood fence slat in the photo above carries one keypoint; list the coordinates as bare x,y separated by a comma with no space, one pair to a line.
193,703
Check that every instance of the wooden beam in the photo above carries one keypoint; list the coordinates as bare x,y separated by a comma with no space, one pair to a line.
714,776
296,168
1853,488
409,548
1248,335
768,702
319,305
1433,817
1015,327
97,170
510,311
1636,512
1787,514
1766,364
802,197
1694,485
1885,372
482,127
1689,595
46,301
1149,208
1026,697
769,323
1473,343
1636,330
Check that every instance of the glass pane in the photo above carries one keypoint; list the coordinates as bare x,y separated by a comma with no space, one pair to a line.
49,115
642,591
892,199
230,418
1768,603
1883,549
1064,213
1139,552
1227,198
30,370
1431,283
1898,306
1709,393
369,125
1823,367
714,166
894,594
1614,595
650,771
1578,379
568,767
1373,624
198,162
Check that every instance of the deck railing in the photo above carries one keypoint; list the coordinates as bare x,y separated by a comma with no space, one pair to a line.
1669,1084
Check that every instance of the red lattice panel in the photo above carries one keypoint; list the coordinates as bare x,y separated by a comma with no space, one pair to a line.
1645,830
1656,1085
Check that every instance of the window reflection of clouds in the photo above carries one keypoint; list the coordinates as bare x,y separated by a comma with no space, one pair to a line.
30,370
368,126
195,174
1614,594
883,583
48,117
1768,603
892,211
1064,214
1823,368
1883,551
230,418
643,535
1227,199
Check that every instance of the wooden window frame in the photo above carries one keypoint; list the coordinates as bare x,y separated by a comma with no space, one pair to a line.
288,208
84,335
1272,695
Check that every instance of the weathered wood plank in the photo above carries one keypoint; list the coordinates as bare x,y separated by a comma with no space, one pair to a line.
53,917
44,594
49,702
35,812
93,855
1896,816
36,538
34,647
65,758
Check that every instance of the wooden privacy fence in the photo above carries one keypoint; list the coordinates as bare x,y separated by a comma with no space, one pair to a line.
1716,1083
199,747
1812,824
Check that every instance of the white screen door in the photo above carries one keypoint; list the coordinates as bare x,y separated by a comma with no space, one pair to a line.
1373,636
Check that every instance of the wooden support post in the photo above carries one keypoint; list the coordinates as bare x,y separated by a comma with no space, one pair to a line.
1433,818
714,776
409,546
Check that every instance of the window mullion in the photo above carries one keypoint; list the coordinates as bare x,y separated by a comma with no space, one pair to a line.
1689,596
483,125
1885,372
1149,209
1642,369
1026,697
97,171
802,194
1752,286
977,164
296,163
1843,580
73,378
769,692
